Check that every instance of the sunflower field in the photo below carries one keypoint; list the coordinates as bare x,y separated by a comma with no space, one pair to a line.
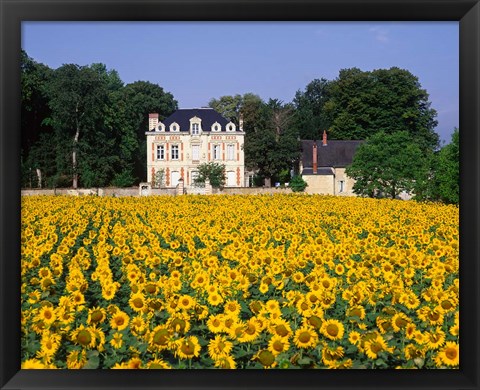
238,281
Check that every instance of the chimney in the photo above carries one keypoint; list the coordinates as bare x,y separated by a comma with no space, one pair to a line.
152,121
314,157
324,143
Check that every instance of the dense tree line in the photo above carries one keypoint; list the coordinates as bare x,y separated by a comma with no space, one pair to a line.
82,126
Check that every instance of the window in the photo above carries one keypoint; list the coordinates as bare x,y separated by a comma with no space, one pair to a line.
160,152
195,128
341,184
216,152
230,152
195,152
174,152
174,127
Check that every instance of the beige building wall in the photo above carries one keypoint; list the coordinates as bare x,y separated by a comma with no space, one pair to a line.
183,152
319,184
336,184
343,183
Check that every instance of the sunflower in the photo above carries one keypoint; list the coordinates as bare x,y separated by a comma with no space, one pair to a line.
251,331
179,324
33,364
354,337
219,347
215,299
272,306
116,340
34,297
158,364
412,351
280,328
435,339
78,298
96,315
266,358
331,354
278,344
137,302
399,321
138,325
298,277
160,338
332,329
450,354
215,323
305,337
134,363
232,308
49,343
188,347
225,362
410,331
356,311
76,359
263,288
185,302
46,314
376,345
119,320
83,336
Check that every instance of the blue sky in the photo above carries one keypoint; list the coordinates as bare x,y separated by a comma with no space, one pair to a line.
198,61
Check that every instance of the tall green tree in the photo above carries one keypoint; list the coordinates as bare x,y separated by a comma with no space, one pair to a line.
271,144
309,115
79,100
132,105
228,106
386,165
360,104
34,109
448,170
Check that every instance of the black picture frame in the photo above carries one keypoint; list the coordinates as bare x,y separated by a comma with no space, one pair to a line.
13,12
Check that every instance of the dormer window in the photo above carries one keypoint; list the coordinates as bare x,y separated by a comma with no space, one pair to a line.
195,125
174,127
230,127
195,129
160,127
216,127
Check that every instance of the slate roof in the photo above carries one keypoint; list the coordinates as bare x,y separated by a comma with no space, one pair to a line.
320,171
208,116
336,154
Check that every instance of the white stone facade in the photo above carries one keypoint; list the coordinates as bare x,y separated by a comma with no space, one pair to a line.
189,138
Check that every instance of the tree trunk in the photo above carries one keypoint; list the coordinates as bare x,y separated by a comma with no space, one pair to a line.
393,192
74,157
39,176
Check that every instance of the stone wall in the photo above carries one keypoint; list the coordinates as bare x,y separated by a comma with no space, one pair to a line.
319,184
135,191
251,191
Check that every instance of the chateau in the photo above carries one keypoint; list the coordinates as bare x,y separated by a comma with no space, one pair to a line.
190,137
